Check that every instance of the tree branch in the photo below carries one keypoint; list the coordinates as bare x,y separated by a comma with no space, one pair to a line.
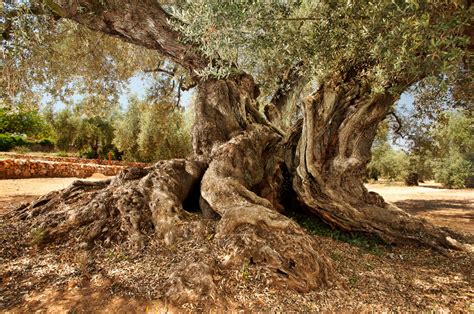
399,122
158,69
142,23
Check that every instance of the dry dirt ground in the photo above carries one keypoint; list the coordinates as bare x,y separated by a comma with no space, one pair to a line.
444,207
372,277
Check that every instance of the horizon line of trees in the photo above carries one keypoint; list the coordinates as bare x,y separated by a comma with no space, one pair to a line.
144,131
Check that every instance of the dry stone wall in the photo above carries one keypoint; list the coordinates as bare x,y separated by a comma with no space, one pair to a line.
74,160
27,168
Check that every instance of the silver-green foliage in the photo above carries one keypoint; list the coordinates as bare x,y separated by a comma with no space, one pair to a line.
385,41
151,132
62,58
454,136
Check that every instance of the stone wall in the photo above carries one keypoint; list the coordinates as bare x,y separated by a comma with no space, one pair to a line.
27,168
74,160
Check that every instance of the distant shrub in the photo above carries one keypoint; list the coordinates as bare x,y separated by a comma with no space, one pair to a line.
9,141
88,154
6,142
46,142
453,171
19,143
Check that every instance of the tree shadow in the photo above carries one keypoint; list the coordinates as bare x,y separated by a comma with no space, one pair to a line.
462,209
432,186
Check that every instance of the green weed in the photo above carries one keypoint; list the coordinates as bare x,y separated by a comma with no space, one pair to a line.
353,280
37,236
245,270
316,226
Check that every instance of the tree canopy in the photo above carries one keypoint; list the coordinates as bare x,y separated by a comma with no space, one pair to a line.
390,45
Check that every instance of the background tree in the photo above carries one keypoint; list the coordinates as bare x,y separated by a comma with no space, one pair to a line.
454,149
22,121
417,125
152,132
95,136
65,126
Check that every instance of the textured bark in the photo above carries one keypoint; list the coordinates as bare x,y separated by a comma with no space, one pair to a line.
339,126
223,109
133,205
243,186
143,23
250,227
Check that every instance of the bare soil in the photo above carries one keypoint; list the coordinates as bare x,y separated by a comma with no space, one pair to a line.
443,207
404,278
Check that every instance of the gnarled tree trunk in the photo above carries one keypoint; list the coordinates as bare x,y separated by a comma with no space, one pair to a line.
242,168
340,123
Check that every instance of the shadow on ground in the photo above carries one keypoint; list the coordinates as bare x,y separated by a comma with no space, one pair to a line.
457,208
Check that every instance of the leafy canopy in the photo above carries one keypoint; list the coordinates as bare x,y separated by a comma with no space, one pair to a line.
390,42
61,58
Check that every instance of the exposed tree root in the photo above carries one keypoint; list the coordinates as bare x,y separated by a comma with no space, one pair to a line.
133,205
388,222
250,228
141,205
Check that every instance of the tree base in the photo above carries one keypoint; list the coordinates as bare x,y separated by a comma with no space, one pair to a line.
143,208
228,210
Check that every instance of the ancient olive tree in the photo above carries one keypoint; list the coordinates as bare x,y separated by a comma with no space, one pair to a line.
289,97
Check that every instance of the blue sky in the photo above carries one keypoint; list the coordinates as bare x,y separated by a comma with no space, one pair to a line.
137,86
406,99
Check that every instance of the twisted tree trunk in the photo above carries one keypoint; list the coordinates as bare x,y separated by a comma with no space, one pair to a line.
340,122
241,174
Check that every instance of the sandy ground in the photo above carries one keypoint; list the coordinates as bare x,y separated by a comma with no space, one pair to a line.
397,279
444,207
16,191
38,186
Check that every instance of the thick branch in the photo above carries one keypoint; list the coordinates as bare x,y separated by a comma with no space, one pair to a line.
141,23
286,84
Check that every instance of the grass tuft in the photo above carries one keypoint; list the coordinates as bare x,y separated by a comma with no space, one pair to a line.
316,226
